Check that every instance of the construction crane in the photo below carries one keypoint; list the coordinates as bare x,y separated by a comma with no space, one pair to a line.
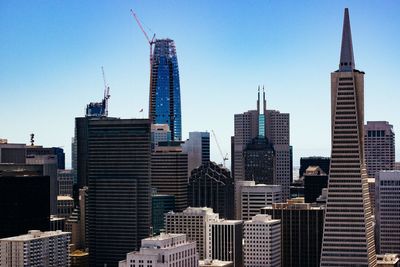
150,41
106,93
224,158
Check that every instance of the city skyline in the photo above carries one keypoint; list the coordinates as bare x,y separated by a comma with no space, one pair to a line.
50,67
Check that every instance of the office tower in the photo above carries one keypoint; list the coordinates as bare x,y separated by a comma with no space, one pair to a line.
297,188
262,242
224,241
211,185
160,204
65,206
348,231
193,223
275,127
164,250
34,150
65,180
160,133
57,223
198,149
254,197
215,263
379,147
116,161
165,95
49,163
259,161
322,162
315,179
24,199
387,216
302,229
36,249
12,153
169,172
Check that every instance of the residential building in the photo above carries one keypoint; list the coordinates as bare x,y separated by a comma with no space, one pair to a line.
211,185
262,242
192,222
198,149
169,172
164,250
36,249
224,241
24,199
165,95
387,215
113,160
348,228
301,231
379,147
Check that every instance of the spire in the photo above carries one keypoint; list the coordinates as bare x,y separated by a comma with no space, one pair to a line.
346,54
258,101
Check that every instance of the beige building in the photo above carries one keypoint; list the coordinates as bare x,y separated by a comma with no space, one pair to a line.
193,222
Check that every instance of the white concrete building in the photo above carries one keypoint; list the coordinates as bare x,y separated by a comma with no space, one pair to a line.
36,249
224,241
164,250
262,242
387,215
250,198
193,223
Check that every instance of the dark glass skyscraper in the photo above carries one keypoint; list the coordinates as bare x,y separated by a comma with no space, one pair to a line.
165,94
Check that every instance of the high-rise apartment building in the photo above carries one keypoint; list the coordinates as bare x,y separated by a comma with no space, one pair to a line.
387,215
224,241
169,172
254,197
262,242
379,147
114,158
164,250
36,249
198,149
301,231
192,222
211,185
348,228
24,199
165,94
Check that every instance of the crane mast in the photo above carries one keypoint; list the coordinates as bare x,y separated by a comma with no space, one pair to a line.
106,92
224,158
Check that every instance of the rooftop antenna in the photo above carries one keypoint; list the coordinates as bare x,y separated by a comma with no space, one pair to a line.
32,139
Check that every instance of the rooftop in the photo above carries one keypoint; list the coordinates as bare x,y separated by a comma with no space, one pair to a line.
35,234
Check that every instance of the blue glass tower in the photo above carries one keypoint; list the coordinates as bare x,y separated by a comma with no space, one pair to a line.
165,95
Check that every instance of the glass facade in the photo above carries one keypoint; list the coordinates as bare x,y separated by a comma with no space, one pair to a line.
165,96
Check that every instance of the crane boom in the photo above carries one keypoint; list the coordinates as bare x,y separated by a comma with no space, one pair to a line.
141,27
224,158
106,92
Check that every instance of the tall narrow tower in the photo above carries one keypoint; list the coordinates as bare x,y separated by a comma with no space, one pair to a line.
165,94
348,238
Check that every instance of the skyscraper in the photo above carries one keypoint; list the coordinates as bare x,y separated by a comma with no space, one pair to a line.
165,95
379,147
118,153
348,238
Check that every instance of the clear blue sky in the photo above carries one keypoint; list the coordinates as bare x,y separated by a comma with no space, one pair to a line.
51,53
